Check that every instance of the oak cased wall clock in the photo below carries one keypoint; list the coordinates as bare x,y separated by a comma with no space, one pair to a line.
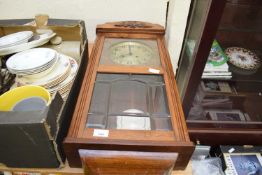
128,107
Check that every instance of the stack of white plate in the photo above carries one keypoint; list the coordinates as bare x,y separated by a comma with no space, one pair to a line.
43,67
32,61
15,39
65,86
20,41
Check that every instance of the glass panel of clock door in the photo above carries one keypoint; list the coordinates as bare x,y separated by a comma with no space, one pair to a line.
130,52
127,101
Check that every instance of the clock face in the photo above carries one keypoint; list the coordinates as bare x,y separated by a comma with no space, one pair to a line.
130,53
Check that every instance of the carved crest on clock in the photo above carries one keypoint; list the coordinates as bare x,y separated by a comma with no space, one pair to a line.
133,24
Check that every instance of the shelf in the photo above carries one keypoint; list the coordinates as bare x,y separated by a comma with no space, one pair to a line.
223,125
255,77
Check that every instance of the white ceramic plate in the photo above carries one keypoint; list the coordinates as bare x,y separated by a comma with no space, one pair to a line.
64,96
65,85
57,75
44,38
34,72
15,39
41,72
70,78
30,60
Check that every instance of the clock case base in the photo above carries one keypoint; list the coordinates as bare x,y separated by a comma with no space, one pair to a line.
72,146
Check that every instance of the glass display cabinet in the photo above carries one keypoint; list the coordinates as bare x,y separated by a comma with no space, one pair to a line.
129,108
220,73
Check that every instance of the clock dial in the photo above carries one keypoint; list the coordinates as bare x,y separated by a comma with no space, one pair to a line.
130,53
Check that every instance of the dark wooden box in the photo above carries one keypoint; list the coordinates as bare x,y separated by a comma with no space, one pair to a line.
34,139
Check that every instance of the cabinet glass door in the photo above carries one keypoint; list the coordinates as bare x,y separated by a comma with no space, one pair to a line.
229,91
191,43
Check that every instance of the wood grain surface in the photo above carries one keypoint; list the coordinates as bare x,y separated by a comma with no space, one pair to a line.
99,162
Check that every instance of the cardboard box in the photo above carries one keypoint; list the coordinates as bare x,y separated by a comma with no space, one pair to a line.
34,139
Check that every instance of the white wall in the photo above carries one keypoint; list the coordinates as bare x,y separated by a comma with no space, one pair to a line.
175,29
95,12
92,11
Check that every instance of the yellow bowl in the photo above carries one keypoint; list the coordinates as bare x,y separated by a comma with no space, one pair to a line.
9,99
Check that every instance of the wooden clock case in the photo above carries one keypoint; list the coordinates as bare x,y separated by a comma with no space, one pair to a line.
159,142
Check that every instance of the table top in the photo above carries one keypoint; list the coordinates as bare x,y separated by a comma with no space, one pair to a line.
66,170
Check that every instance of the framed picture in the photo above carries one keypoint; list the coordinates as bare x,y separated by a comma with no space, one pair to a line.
216,86
243,163
226,115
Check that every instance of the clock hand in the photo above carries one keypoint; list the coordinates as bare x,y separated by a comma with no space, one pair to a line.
129,49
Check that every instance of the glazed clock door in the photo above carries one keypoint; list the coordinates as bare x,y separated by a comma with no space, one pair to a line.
129,101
